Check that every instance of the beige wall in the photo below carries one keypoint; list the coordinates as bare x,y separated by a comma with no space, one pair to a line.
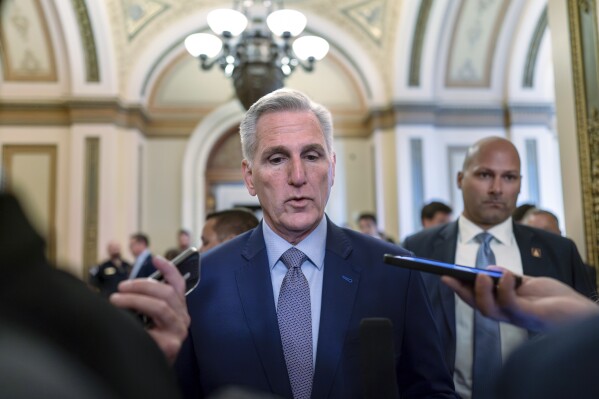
161,198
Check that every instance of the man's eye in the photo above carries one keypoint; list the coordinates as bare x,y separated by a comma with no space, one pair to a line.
484,175
511,177
275,160
312,157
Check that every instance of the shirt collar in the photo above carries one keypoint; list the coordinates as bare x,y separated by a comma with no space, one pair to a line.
314,245
503,232
144,254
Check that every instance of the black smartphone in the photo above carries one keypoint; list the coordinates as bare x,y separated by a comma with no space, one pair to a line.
460,272
188,263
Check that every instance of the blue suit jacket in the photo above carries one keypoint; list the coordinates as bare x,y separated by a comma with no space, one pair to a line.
234,336
542,253
147,268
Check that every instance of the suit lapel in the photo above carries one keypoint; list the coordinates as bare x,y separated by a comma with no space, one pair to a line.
532,265
255,292
444,249
340,285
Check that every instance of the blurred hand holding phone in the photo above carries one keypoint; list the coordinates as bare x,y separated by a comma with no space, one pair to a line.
188,265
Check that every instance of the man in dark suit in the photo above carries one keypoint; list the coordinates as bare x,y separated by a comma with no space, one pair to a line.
139,244
278,308
490,183
107,275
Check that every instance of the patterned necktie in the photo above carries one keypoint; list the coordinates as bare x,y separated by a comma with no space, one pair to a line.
295,324
486,362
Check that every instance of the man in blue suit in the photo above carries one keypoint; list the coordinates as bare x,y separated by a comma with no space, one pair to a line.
490,183
139,246
244,331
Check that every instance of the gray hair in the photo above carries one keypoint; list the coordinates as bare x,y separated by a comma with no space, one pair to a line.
279,101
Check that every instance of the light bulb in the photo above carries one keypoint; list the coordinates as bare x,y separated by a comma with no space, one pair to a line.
226,20
203,43
282,21
310,46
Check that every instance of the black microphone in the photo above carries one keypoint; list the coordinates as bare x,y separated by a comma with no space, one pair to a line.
377,359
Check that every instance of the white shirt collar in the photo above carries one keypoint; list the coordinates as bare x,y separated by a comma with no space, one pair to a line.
503,232
314,245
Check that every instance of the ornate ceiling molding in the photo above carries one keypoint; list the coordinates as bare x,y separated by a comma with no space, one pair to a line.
418,41
462,116
111,111
140,13
369,17
92,71
533,50
473,43
25,44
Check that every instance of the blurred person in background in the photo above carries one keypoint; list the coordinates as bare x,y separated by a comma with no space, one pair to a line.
435,213
224,225
107,275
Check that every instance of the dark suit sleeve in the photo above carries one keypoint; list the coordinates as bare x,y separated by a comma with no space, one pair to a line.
580,275
187,371
421,370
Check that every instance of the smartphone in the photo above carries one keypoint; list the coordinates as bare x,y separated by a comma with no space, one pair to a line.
188,263
463,273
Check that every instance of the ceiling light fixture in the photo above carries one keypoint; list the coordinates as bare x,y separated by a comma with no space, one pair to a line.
258,45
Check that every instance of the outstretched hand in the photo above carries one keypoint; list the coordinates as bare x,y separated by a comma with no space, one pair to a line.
537,304
163,303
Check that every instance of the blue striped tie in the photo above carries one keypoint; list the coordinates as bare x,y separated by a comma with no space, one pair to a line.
295,324
486,362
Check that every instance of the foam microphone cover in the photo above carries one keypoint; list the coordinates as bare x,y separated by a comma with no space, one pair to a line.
377,359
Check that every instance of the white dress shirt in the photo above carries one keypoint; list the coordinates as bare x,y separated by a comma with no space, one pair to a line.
507,255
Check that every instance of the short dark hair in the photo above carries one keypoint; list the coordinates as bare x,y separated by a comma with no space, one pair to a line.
431,209
536,211
185,232
141,237
233,222
367,216
520,211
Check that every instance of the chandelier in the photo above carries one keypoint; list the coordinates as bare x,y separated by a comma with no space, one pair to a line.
258,45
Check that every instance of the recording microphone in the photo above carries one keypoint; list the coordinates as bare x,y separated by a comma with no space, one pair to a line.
377,359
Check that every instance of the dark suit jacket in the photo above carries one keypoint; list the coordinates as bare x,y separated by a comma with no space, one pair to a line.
562,364
558,258
103,341
234,336
146,269
106,276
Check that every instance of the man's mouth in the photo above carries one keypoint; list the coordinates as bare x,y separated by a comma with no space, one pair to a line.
298,201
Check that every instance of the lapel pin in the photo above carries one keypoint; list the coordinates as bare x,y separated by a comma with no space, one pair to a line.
348,279
536,252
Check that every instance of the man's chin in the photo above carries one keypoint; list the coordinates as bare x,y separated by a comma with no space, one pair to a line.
492,220
301,222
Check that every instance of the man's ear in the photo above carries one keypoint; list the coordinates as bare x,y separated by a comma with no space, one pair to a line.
248,177
460,178
333,165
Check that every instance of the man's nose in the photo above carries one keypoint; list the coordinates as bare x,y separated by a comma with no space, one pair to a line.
297,172
496,185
